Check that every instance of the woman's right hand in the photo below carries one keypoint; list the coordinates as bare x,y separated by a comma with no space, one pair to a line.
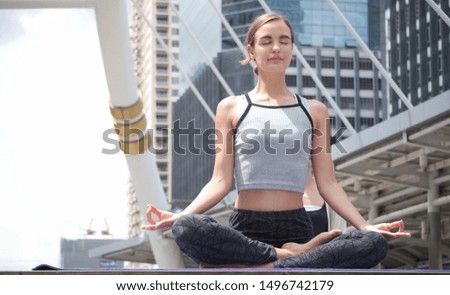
165,219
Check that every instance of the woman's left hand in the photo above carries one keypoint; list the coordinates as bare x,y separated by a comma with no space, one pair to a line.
390,230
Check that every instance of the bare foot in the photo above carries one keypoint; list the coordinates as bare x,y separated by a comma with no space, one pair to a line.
292,249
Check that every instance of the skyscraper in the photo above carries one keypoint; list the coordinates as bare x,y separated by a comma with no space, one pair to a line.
417,48
158,77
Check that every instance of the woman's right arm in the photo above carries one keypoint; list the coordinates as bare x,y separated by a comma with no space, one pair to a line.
222,177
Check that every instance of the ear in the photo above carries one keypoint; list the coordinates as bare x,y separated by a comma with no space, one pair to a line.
250,52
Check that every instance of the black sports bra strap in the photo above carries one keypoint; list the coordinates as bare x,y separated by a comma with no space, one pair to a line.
247,109
304,110
248,99
298,99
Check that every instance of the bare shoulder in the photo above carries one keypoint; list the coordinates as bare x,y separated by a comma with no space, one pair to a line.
226,108
228,103
318,109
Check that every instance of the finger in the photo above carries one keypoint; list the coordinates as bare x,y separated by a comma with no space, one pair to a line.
154,210
401,226
391,235
397,224
160,226
149,215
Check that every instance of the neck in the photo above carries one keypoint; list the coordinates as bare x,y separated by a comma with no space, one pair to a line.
272,86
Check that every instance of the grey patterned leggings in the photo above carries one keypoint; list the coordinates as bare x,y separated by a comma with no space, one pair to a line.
251,237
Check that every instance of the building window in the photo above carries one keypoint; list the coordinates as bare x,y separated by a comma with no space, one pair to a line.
161,106
161,131
347,102
161,118
293,63
366,103
161,69
163,179
366,83
346,63
161,81
429,68
327,62
328,82
366,122
162,32
308,81
162,20
351,120
291,80
365,64
347,83
311,60
161,57
162,167
161,93
161,8
325,101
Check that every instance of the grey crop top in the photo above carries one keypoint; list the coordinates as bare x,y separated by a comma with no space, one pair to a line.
272,145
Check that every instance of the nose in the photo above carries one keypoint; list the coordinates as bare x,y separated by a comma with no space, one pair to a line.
276,47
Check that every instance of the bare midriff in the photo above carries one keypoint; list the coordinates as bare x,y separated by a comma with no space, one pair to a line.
268,200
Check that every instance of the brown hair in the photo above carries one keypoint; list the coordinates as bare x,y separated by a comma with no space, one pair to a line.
258,23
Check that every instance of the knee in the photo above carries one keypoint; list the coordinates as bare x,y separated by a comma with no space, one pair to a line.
380,244
188,226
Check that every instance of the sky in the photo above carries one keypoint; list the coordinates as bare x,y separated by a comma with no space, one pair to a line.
54,109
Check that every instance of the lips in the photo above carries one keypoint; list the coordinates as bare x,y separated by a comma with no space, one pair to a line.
276,58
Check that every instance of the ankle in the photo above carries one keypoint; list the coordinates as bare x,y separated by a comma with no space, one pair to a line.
283,253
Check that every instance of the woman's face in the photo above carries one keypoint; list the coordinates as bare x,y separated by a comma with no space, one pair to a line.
272,48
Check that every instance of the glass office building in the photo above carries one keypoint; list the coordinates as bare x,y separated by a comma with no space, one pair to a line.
417,47
318,25
313,21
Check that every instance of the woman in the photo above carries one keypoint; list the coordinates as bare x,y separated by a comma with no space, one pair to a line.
265,139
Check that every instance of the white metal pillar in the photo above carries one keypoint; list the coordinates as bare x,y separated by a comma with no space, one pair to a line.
112,23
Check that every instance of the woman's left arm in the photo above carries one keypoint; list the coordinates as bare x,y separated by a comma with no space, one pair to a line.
327,184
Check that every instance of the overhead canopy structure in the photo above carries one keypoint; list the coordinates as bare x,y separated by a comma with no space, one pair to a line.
400,169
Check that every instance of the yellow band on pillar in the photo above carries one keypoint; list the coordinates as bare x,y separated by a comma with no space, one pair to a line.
136,128
136,147
127,113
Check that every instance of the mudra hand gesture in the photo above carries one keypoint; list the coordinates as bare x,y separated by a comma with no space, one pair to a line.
387,229
165,219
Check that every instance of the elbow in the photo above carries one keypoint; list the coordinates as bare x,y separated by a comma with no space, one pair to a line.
222,184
